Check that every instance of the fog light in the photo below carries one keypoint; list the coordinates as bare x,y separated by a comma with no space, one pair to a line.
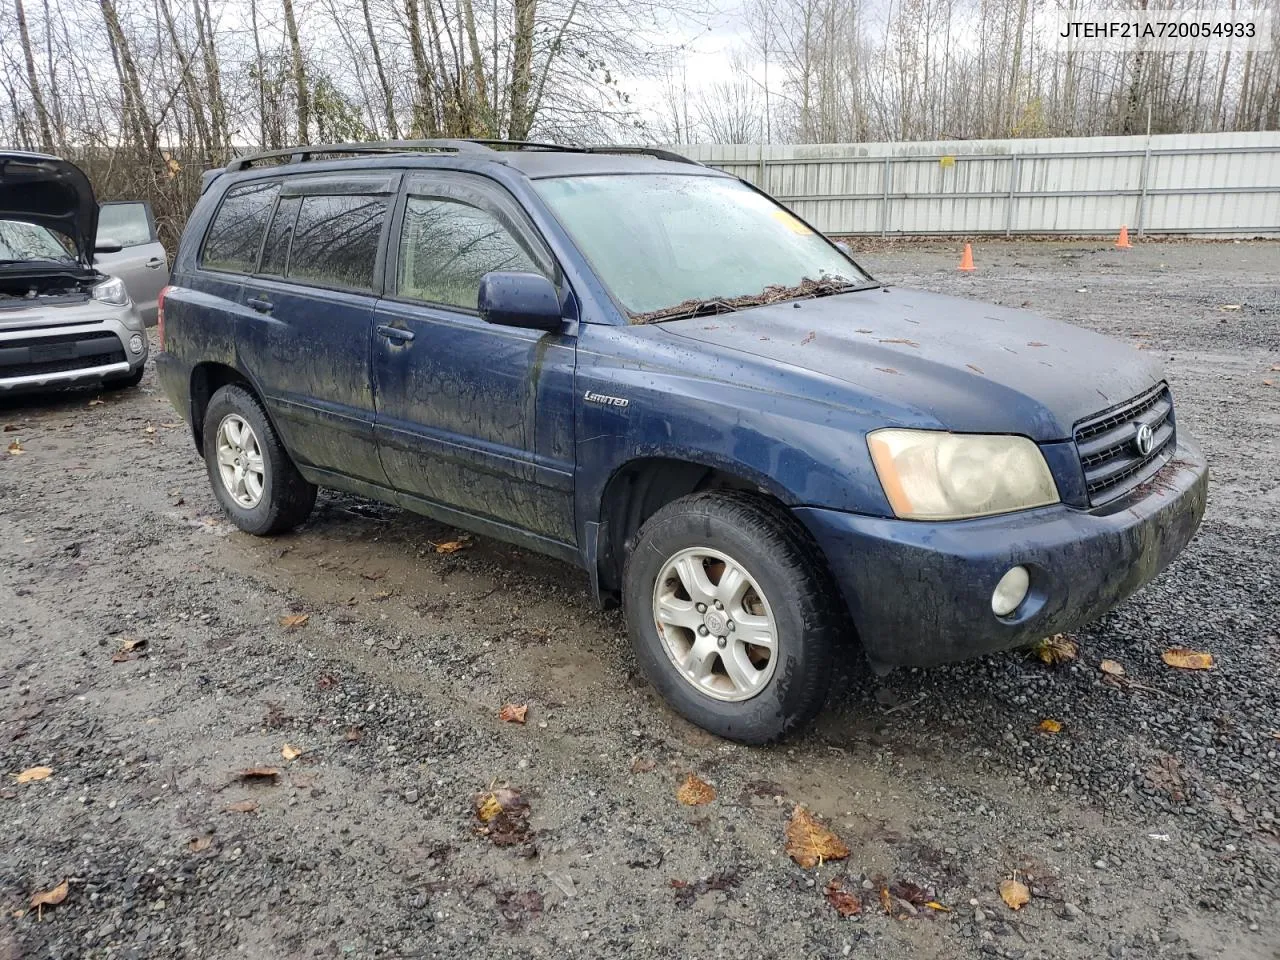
1010,591
135,343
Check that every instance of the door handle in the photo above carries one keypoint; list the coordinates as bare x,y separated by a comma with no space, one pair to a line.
262,306
155,263
395,333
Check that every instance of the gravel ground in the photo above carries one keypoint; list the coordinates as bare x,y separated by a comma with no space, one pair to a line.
1147,827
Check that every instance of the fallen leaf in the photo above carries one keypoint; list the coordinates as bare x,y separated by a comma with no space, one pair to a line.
354,735
1014,893
510,713
503,816
290,752
450,546
1230,306
695,792
11,428
294,620
846,903
1111,668
199,844
1036,343
96,402
902,340
1268,383
374,576
1049,726
909,892
887,901
381,595
1185,659
50,898
1056,649
242,806
148,429
809,337
887,370
974,369
128,645
935,905
1275,368
648,764
258,775
15,448
809,842
327,682
35,773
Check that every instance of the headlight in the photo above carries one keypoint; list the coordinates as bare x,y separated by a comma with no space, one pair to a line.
111,291
932,475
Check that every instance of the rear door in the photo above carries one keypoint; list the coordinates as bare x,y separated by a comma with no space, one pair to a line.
143,264
472,415
309,318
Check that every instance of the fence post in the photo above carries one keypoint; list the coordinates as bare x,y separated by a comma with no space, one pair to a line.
887,178
764,172
1142,188
1014,171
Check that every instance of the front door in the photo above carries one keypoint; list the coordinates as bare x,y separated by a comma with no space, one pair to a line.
470,415
141,263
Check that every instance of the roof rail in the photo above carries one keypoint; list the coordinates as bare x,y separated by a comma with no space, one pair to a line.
305,152
491,148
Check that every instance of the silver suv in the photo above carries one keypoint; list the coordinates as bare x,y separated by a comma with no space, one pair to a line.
62,320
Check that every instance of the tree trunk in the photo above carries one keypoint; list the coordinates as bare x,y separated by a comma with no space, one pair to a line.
423,122
389,108
477,70
213,77
42,114
522,69
299,72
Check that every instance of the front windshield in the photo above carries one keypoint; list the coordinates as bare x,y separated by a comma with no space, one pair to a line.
25,242
662,241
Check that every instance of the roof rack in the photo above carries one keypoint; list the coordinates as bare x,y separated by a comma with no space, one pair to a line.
490,148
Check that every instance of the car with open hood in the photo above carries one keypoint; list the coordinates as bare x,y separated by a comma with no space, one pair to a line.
655,371
63,320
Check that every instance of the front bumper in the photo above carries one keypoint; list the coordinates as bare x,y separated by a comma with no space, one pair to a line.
92,345
920,593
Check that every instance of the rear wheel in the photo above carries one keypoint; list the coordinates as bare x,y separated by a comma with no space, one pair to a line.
250,472
732,615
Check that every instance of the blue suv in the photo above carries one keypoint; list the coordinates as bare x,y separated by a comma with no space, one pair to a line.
651,369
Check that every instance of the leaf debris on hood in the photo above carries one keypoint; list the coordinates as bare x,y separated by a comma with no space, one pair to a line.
774,293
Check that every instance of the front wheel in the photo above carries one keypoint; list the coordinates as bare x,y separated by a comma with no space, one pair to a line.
249,469
733,617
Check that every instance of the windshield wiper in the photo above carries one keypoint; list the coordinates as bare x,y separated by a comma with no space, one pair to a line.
806,289
685,310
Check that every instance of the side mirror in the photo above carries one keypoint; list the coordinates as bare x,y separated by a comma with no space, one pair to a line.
519,300
107,245
845,248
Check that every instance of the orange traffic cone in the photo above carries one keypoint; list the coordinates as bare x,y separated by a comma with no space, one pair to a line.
1122,241
966,259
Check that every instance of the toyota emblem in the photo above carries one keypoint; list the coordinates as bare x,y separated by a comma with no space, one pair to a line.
1145,440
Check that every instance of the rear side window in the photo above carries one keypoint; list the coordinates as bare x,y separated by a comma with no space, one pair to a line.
335,240
275,255
235,236
446,247
127,223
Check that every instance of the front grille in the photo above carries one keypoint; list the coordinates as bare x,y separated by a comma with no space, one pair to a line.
1108,444
58,354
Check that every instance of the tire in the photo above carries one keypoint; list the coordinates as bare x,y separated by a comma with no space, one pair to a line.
131,380
278,498
786,581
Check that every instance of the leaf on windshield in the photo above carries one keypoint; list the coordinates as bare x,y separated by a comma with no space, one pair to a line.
775,293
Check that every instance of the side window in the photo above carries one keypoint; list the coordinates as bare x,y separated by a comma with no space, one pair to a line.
128,223
335,242
447,246
275,255
236,232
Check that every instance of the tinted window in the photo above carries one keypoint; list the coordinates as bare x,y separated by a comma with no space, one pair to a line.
237,229
275,255
446,247
125,223
335,242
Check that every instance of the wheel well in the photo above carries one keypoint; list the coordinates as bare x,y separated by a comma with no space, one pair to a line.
639,490
206,380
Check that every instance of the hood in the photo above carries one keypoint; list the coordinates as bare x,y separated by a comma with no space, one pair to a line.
966,366
52,193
